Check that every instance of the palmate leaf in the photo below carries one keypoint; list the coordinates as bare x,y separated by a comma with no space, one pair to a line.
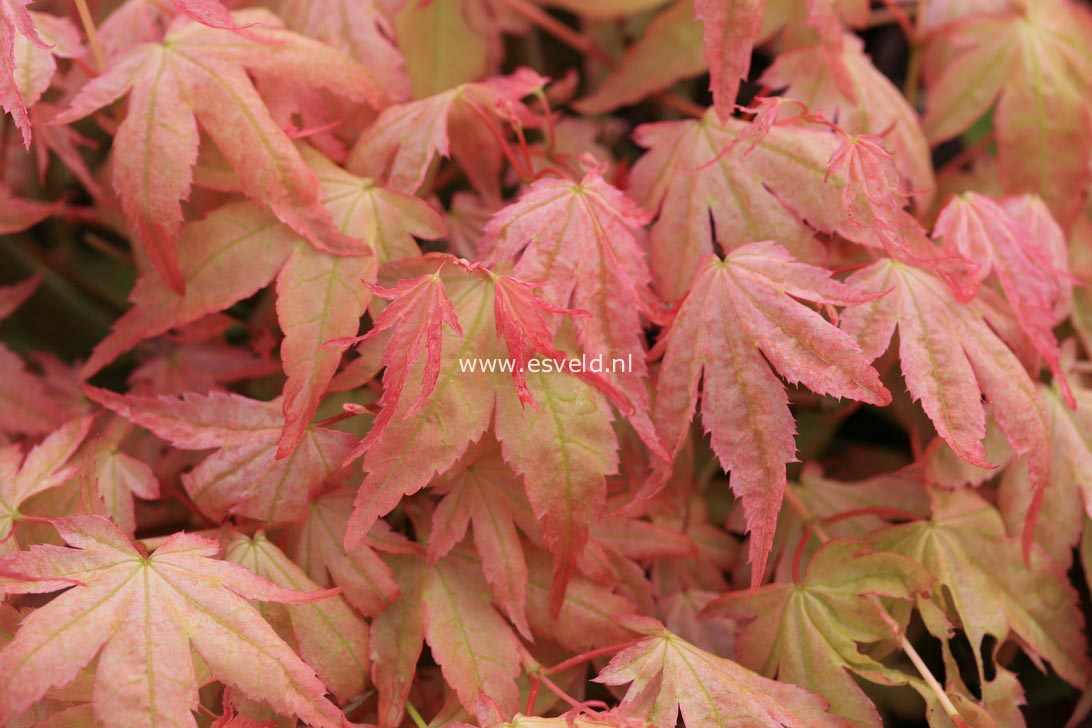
577,239
994,588
16,22
1032,59
703,183
36,61
729,30
1067,495
239,248
979,229
140,614
692,36
951,357
670,676
447,43
328,635
876,106
463,123
483,491
243,477
808,633
670,49
198,74
448,605
45,466
115,476
226,257
317,544
358,28
738,311
434,406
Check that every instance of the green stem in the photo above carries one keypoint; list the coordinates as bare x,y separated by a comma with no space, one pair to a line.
415,716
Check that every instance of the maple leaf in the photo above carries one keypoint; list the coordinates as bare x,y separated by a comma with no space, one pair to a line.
875,108
17,214
901,492
362,208
328,635
577,239
590,613
446,604
712,192
474,27
28,405
115,476
676,46
808,633
994,588
550,447
1067,495
482,492
35,64
671,48
738,311
15,22
243,477
140,614
979,229
357,28
950,359
238,249
226,257
730,30
316,544
44,467
1032,61
198,74
670,676
64,143
464,123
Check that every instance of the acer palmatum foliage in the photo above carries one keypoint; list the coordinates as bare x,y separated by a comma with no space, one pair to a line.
542,363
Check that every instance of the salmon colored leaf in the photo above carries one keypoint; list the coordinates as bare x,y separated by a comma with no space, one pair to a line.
243,476
670,49
435,370
669,676
447,605
360,29
199,74
484,492
141,615
951,357
327,634
230,255
316,544
739,311
713,194
464,123
15,23
879,109
979,229
728,36
1031,59
43,467
578,240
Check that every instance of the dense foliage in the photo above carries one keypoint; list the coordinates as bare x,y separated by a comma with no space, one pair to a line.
545,363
